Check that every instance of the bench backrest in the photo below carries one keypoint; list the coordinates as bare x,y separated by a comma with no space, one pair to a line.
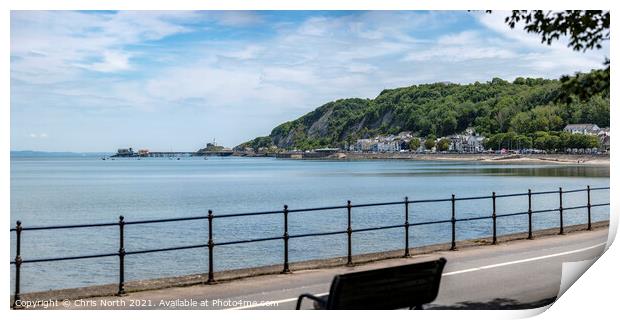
388,288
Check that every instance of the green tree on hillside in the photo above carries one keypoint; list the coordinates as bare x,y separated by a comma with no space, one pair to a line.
443,145
429,143
414,144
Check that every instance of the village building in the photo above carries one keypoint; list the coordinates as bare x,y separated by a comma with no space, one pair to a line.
468,142
388,146
604,138
605,143
582,128
474,144
457,142
364,144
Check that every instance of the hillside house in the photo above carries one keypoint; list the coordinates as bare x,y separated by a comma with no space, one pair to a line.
582,128
474,144
365,144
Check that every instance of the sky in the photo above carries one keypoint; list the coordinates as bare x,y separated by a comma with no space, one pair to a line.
95,81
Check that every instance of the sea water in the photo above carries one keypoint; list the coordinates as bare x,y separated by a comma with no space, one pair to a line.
75,190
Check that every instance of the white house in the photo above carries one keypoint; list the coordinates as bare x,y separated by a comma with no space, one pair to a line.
456,142
474,144
364,144
582,128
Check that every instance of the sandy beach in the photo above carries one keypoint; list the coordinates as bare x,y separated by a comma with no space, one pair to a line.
570,159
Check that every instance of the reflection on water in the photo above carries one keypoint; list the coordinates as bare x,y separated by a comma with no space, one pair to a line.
516,170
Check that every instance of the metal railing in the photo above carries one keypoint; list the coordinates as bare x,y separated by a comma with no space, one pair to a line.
18,261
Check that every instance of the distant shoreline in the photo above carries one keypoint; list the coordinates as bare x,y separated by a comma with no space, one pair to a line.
565,159
569,159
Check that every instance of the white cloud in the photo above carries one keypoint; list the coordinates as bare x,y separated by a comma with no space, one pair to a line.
112,61
463,46
459,54
462,38
361,68
249,52
52,46
496,23
317,26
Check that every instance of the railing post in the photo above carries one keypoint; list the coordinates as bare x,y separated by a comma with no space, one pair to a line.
453,247
529,213
285,237
589,211
349,233
494,216
407,254
210,245
18,263
121,256
561,214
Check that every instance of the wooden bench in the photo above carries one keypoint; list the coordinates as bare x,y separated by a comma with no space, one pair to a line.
407,286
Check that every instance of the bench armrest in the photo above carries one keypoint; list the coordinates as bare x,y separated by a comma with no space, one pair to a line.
318,301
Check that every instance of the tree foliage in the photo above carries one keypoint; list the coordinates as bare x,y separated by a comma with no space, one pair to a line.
542,140
443,145
429,143
257,143
585,30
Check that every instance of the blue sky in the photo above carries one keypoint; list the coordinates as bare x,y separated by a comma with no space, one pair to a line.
98,81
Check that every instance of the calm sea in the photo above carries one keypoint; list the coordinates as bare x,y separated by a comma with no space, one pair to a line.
52,191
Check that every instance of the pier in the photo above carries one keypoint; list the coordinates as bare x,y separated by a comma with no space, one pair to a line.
128,153
170,154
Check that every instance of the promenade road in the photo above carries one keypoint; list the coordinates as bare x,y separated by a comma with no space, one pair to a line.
516,274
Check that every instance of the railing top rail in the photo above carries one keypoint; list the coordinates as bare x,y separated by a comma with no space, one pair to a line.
545,192
230,215
430,200
600,188
574,190
513,195
318,208
166,220
377,204
473,198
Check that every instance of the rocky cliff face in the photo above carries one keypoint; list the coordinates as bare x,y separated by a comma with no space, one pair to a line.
332,122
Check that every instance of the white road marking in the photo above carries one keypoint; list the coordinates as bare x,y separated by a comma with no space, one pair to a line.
491,266
524,260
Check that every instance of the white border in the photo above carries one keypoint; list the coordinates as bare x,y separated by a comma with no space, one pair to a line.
591,296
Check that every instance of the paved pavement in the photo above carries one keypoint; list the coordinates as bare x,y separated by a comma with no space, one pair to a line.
516,274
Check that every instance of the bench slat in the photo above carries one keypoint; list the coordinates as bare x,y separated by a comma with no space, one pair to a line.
388,288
